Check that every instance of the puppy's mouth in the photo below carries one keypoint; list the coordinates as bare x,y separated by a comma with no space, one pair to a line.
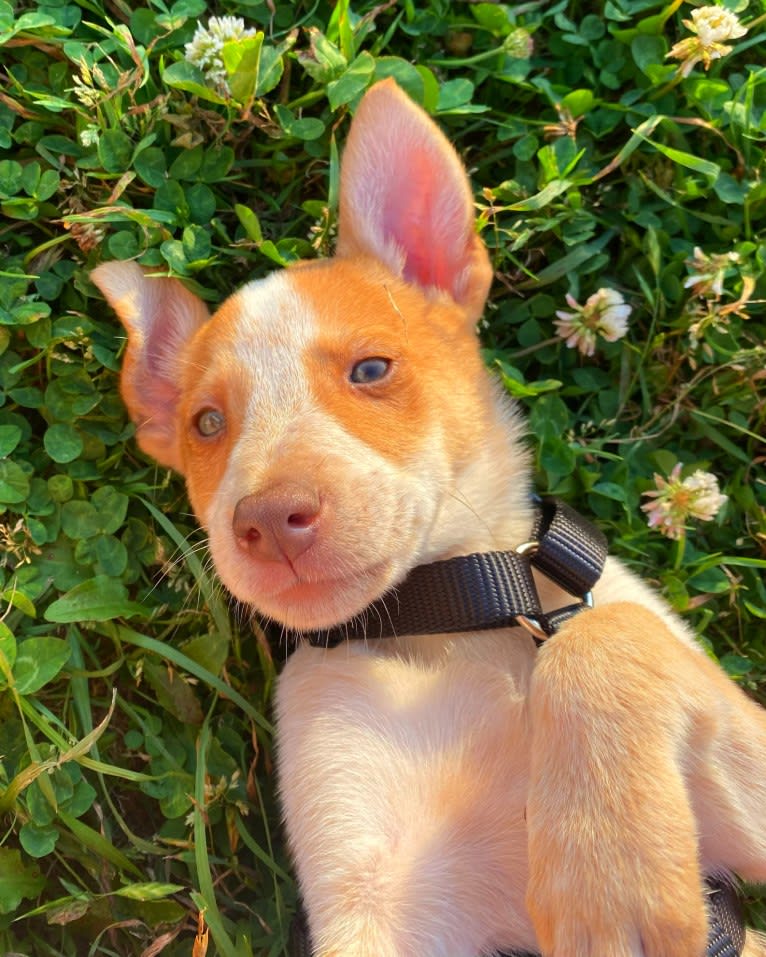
305,599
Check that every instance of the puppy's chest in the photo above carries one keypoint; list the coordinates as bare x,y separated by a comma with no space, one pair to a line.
381,754
460,696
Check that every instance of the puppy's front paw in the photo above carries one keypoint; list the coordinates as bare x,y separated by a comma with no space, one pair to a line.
613,846
577,917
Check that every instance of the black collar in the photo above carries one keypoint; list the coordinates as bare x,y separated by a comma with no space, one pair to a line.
486,590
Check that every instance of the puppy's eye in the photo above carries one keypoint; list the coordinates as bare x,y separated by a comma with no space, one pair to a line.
210,422
370,370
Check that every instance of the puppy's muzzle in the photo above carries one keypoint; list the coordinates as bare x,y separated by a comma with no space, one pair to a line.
278,524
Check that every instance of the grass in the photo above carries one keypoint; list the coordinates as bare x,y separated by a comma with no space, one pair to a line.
136,783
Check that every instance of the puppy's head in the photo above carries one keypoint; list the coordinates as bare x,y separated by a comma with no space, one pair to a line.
326,417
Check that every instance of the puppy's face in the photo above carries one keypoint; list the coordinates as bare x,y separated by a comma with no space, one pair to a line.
325,414
329,419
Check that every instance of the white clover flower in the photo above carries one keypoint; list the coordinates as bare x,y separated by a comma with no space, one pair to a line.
519,44
89,135
206,48
709,272
712,26
710,310
705,498
715,25
604,314
675,501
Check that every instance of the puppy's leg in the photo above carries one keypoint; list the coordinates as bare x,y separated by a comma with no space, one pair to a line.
755,945
642,749
727,777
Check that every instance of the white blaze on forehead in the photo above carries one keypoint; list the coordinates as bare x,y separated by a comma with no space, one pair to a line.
268,328
275,327
274,309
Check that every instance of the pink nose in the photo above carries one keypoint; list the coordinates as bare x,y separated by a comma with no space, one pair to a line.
279,523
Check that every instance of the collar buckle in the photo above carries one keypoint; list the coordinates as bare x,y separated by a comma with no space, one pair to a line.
565,574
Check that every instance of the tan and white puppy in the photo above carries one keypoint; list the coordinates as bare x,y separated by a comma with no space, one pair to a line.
446,796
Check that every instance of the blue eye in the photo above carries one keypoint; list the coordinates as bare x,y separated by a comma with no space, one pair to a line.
210,422
370,370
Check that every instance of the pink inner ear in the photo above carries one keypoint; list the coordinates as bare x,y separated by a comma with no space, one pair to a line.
429,231
160,316
170,328
405,200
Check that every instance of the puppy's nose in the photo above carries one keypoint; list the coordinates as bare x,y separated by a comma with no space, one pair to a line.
279,523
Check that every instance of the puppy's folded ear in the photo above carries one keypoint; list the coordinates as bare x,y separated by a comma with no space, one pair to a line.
405,200
160,316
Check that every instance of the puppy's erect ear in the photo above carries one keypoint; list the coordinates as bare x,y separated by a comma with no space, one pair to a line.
405,200
160,316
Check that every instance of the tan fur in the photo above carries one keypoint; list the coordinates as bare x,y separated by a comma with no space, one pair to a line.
444,796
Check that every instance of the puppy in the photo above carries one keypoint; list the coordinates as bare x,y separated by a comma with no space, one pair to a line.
447,795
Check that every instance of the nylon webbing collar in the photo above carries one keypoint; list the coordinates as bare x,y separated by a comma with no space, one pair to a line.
488,590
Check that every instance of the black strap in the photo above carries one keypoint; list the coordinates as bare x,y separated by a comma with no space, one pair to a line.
571,550
726,935
485,590
298,938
